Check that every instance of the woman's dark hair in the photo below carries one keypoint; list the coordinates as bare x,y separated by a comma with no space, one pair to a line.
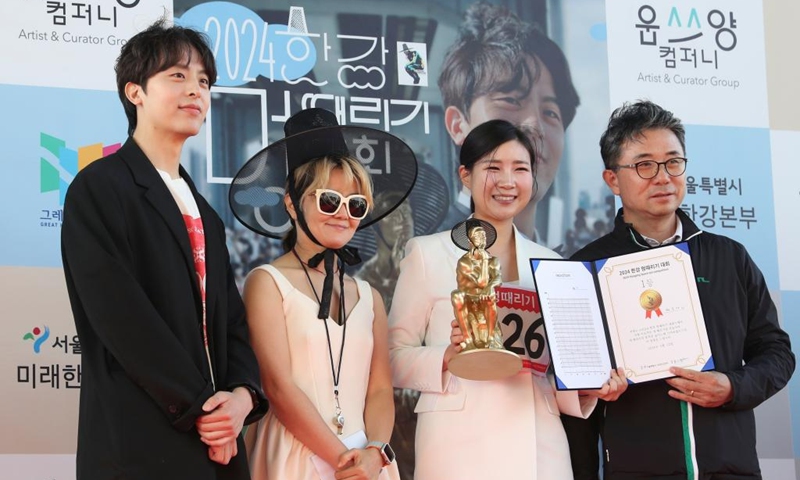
487,137
154,50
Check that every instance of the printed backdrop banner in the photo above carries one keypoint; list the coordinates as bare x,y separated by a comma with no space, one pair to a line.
377,63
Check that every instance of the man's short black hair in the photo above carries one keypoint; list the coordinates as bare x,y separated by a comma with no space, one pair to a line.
631,120
490,56
154,50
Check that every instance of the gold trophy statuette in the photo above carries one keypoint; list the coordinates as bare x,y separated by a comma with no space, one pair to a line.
483,356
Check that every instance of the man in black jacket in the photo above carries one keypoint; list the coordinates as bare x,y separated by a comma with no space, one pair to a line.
697,425
169,377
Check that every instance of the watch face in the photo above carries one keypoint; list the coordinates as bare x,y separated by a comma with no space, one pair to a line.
388,453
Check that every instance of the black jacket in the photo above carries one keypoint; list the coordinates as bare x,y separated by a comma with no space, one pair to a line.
643,431
136,303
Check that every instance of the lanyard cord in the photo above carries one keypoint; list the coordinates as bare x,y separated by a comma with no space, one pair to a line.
336,372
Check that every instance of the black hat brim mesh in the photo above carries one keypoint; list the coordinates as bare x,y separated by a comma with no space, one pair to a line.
460,233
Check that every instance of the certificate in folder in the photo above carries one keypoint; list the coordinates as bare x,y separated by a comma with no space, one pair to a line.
639,311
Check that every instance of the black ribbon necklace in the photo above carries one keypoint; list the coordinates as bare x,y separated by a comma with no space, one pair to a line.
346,255
336,372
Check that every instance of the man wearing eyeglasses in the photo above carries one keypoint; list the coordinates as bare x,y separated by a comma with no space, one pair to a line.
697,425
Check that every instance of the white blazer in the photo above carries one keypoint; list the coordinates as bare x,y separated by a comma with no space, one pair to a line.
471,429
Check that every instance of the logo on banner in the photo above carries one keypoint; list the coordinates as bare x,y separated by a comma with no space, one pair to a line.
246,47
80,14
38,336
53,375
57,171
686,38
87,13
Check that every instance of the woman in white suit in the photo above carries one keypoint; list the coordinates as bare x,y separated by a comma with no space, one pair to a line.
466,429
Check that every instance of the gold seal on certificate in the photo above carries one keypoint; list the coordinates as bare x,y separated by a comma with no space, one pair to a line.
483,356
651,300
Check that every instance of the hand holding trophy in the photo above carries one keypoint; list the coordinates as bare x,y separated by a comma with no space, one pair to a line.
483,356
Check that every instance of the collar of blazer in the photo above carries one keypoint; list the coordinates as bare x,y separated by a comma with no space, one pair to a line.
158,195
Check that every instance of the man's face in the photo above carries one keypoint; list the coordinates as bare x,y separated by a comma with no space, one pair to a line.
646,200
175,101
536,113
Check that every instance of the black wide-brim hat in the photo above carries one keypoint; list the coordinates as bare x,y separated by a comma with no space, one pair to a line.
460,233
257,190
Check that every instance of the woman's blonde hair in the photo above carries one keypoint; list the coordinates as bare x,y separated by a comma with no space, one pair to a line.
316,173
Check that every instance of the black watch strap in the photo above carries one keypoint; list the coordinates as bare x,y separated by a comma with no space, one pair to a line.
253,395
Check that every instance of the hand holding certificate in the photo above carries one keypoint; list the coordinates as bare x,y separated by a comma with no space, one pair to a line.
640,311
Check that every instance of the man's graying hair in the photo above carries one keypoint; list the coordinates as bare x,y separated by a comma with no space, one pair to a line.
629,121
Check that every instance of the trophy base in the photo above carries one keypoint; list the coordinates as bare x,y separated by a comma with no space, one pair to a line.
485,364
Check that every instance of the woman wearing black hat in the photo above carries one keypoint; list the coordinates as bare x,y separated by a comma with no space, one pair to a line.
320,336
466,429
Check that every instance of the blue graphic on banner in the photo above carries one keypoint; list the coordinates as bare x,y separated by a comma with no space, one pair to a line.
729,189
44,148
38,336
245,46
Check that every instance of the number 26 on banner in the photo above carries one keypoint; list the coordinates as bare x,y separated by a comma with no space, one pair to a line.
533,342
523,334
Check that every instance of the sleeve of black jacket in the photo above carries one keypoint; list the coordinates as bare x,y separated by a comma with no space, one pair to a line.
768,358
242,364
583,436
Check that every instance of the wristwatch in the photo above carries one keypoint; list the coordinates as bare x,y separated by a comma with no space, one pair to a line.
253,395
385,450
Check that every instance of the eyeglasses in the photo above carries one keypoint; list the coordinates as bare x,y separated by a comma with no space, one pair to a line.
649,168
330,201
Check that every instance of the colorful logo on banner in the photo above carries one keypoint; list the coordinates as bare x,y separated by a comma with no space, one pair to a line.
246,47
38,336
56,173
52,375
674,52
679,47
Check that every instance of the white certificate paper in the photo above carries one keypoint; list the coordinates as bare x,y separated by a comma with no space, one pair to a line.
639,311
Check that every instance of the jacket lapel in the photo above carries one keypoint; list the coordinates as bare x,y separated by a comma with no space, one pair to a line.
159,196
523,259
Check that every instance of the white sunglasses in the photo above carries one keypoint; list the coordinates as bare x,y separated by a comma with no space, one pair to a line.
330,201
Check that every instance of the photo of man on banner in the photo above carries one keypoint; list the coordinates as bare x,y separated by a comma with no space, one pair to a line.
503,68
